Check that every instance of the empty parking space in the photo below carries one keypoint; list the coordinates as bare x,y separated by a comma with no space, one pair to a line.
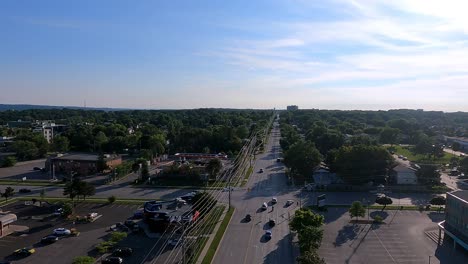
402,239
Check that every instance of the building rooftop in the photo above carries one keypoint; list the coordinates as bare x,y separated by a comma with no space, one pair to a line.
83,157
462,194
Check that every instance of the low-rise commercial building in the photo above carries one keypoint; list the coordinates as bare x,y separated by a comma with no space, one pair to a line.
81,164
5,221
456,218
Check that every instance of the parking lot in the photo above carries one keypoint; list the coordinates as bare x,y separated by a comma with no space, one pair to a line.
64,250
25,169
406,237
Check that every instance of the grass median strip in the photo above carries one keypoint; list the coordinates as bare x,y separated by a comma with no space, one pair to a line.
247,175
88,200
217,239
30,183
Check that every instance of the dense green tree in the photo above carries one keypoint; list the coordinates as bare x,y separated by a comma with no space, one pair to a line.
101,164
9,192
428,174
464,165
384,200
389,135
9,162
456,146
357,210
71,189
85,189
61,144
214,167
305,217
310,257
302,157
362,164
144,171
25,150
425,145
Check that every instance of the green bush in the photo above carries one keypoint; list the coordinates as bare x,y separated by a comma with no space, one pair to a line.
378,219
105,246
117,236
9,162
67,210
83,260
111,199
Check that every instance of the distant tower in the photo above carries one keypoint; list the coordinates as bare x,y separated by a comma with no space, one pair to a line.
84,103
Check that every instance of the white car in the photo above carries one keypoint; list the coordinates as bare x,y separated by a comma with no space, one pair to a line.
62,231
264,206
274,200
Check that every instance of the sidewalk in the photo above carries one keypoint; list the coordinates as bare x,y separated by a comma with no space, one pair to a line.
213,234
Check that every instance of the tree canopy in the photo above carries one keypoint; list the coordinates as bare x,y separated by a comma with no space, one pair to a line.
302,157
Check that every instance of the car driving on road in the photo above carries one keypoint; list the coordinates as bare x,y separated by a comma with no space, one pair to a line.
62,231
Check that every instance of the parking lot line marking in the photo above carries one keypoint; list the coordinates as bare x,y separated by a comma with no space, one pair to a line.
381,243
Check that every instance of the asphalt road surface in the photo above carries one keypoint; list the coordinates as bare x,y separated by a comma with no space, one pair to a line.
244,242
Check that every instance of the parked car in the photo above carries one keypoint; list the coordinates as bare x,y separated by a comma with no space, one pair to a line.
274,200
278,160
58,211
24,190
138,214
123,252
264,206
37,168
272,222
174,242
268,234
24,252
62,232
92,215
289,202
248,218
260,171
112,260
49,239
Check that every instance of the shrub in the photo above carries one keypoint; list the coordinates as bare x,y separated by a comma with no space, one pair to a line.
105,246
378,219
118,236
9,162
67,210
111,199
83,260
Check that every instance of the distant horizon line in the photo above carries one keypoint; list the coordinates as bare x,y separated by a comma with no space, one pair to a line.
3,107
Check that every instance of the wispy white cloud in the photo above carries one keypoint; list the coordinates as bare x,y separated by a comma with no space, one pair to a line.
414,52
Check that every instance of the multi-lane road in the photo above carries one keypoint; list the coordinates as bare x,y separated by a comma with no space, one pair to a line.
244,242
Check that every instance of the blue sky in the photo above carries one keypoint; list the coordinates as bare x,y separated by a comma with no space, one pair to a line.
338,54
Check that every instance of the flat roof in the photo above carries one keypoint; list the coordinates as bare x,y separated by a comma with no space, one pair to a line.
83,157
462,194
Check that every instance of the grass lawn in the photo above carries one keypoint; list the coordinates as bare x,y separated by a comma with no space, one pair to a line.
30,183
246,177
217,239
419,158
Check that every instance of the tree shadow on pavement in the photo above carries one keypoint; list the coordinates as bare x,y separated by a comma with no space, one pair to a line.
283,253
436,217
347,233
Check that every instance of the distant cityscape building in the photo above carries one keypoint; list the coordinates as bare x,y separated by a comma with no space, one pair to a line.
292,108
460,140
49,129
455,225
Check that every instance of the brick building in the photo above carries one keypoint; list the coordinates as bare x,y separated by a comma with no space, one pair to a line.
81,164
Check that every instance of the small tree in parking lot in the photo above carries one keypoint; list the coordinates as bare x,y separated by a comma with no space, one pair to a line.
8,193
67,210
357,210
111,199
384,200
438,200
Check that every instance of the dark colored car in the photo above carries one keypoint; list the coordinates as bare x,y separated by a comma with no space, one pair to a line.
24,190
49,239
248,217
272,222
24,252
36,168
123,252
278,160
112,260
